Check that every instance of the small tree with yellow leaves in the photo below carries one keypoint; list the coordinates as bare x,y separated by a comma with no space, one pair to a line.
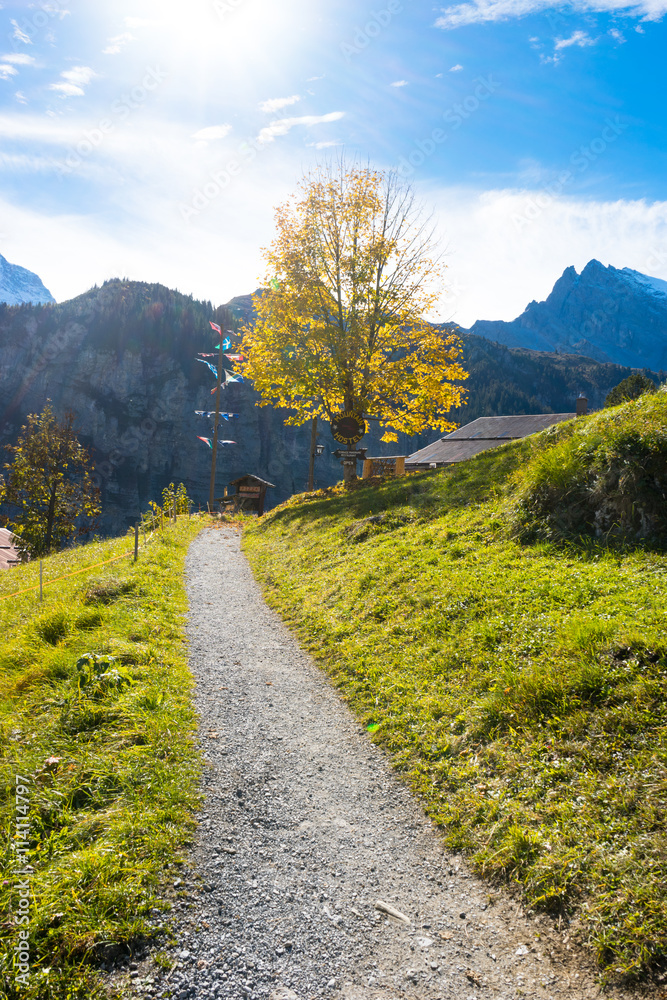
340,326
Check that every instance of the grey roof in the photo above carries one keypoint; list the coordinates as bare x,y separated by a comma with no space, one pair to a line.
507,428
480,435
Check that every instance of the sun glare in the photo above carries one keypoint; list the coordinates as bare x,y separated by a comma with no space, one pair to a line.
234,29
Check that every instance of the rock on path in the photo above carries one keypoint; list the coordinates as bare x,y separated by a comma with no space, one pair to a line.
305,828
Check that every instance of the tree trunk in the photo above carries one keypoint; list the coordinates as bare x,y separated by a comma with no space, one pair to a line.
311,463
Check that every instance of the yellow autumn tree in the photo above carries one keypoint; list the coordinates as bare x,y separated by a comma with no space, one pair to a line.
340,324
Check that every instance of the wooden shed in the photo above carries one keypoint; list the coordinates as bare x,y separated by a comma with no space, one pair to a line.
249,493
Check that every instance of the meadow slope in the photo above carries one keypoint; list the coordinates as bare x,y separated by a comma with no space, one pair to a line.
512,663
97,758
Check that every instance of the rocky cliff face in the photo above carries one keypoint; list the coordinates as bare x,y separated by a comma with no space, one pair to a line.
122,357
18,285
605,313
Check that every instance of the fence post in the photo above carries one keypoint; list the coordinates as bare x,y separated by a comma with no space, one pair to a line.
41,593
136,541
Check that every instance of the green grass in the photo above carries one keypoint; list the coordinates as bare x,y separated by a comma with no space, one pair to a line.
520,688
110,759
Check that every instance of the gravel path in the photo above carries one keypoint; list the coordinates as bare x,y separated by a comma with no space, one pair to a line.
305,829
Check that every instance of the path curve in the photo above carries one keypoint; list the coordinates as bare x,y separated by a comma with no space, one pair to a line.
305,828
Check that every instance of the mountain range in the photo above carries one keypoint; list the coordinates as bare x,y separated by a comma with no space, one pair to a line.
605,313
18,285
122,357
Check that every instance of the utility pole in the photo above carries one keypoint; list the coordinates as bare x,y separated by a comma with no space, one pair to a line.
217,418
311,466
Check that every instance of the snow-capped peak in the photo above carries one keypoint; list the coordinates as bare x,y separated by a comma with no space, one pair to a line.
19,285
655,285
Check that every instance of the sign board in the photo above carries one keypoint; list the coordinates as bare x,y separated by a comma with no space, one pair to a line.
359,454
249,493
384,466
348,427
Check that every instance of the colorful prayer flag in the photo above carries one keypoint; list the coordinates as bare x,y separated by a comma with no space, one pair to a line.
209,365
206,441
218,329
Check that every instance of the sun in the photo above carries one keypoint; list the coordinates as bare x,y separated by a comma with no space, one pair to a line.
233,29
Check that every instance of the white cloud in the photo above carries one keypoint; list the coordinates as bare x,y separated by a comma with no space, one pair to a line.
507,247
399,83
75,80
483,11
117,43
283,125
326,145
7,71
213,132
22,163
311,79
276,103
456,69
617,35
19,34
21,98
579,38
18,59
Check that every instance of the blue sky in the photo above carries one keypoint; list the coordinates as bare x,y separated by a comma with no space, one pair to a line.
153,139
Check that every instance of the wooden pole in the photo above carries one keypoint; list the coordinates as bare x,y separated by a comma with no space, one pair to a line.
311,465
41,592
214,456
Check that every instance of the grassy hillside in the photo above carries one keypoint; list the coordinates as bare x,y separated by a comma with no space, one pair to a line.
96,756
518,682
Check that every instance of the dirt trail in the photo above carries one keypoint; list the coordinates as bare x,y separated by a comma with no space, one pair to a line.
305,831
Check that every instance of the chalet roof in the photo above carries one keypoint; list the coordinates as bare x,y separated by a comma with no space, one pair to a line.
9,554
506,428
257,479
481,435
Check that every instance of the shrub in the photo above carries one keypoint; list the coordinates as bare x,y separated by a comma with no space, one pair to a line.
605,476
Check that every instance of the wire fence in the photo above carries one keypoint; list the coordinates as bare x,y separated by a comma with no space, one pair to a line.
159,526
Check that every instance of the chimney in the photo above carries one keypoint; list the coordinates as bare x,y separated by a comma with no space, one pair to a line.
582,405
